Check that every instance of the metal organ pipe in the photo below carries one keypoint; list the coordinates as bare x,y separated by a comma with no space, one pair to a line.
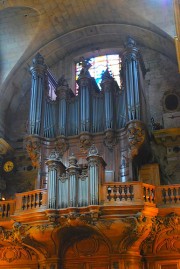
84,105
136,87
107,87
72,188
62,114
38,71
55,169
52,186
131,62
95,163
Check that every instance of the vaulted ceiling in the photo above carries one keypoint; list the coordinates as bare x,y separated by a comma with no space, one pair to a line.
57,28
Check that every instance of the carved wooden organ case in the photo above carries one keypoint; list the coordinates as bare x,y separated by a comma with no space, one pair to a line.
79,141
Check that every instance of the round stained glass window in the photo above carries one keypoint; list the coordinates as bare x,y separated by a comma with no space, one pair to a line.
171,102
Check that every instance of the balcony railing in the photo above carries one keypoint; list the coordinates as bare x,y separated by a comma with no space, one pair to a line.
7,208
114,194
33,200
168,195
128,193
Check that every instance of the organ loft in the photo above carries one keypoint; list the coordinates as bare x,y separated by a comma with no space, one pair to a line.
89,165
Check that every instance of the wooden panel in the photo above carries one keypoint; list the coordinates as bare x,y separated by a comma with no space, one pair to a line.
105,266
74,266
169,266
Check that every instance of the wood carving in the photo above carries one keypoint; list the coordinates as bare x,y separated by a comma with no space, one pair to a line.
164,236
136,137
138,229
85,142
11,254
110,140
62,145
33,150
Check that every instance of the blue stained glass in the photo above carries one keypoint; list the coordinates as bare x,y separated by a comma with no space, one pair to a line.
100,64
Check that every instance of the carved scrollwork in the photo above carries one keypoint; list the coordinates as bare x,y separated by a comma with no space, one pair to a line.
85,142
110,140
77,219
137,230
91,248
136,137
33,150
62,145
10,254
164,236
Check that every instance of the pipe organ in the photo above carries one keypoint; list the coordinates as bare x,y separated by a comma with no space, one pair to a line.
110,119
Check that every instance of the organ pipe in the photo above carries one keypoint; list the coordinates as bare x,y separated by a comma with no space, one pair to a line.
96,173
107,87
130,61
55,169
38,71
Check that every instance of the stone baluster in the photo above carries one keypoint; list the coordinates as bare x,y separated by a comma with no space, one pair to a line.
55,168
38,71
96,166
73,177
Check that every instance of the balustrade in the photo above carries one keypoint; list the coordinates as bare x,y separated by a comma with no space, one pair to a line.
32,200
148,193
134,192
113,193
168,195
6,208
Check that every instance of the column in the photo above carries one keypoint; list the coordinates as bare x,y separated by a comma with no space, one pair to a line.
38,71
96,166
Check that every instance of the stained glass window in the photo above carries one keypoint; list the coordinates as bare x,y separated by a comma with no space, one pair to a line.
100,64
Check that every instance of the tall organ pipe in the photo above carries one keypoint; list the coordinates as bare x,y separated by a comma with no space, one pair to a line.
131,61
107,87
96,174
84,104
73,179
62,96
38,71
55,169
